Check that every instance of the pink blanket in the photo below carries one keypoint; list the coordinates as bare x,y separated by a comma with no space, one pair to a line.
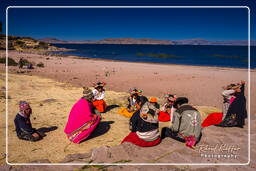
81,122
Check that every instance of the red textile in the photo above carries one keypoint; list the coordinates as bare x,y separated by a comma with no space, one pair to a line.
212,119
133,138
164,116
100,105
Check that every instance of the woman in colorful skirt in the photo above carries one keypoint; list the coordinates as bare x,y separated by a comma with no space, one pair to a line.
81,121
145,127
99,94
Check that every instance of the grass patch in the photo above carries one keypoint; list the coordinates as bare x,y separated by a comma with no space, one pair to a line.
41,65
11,62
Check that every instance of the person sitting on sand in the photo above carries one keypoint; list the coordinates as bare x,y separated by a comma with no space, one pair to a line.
99,94
133,103
153,101
236,112
81,121
145,127
21,63
135,116
23,124
167,109
186,123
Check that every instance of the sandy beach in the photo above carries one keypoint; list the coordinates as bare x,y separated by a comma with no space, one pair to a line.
53,90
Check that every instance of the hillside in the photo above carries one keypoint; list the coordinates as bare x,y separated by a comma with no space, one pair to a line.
24,43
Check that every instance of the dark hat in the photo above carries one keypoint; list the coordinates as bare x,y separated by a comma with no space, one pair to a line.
180,101
99,84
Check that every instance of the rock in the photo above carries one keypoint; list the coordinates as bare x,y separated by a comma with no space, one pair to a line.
85,157
101,154
49,100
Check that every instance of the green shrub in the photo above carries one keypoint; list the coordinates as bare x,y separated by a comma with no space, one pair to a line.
41,64
11,62
20,43
43,45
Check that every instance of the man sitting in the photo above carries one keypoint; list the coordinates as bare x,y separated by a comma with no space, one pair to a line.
186,123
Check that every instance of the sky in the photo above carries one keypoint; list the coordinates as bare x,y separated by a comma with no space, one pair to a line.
162,23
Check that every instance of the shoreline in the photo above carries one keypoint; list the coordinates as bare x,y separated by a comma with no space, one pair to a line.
132,62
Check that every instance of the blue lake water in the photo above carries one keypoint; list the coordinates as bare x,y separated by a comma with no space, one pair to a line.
203,55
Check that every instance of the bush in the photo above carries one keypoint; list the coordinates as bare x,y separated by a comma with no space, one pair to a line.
11,62
43,45
41,64
20,43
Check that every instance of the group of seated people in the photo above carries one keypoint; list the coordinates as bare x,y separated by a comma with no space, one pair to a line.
144,123
186,121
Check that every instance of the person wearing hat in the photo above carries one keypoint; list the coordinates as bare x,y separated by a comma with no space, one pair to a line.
23,125
134,103
235,112
99,95
82,121
153,100
144,127
186,123
228,97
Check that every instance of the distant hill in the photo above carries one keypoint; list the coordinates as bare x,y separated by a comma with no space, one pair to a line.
153,41
112,41
52,40
24,43
206,42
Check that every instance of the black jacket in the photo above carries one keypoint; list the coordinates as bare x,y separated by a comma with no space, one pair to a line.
23,124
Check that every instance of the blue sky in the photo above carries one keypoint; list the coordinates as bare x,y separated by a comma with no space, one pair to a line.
95,24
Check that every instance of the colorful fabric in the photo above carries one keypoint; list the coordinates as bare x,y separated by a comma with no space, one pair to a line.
81,122
149,135
164,116
133,138
100,105
190,141
124,111
212,119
